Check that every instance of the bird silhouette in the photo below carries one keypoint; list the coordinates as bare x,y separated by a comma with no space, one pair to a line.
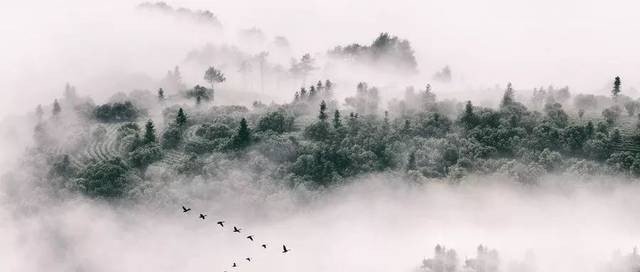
264,245
250,237
236,229
284,249
221,223
234,265
185,209
202,216
248,259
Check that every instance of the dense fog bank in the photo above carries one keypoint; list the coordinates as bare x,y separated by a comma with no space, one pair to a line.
377,223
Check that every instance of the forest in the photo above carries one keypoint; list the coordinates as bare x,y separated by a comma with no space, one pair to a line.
362,135
318,141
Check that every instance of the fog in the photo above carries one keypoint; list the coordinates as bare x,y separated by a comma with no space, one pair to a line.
378,222
582,44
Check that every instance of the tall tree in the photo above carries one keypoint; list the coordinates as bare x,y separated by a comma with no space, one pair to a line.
243,137
336,119
213,76
323,108
149,132
468,118
160,94
56,108
616,87
508,97
181,118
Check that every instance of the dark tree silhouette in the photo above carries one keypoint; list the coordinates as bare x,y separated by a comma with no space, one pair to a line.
243,137
160,94
181,118
323,108
56,108
149,132
213,76
616,87
336,119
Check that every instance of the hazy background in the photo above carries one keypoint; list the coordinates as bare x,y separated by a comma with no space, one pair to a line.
378,223
374,224
582,44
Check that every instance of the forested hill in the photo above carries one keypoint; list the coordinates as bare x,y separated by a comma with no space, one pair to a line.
104,150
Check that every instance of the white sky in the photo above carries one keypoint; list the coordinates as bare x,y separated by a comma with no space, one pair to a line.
582,44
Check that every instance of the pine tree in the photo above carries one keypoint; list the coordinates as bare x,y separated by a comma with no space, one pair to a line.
181,118
160,94
616,87
243,137
56,108
149,132
508,97
406,128
336,119
323,115
385,122
468,117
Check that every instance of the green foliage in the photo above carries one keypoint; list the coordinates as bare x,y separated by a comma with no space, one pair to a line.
107,179
181,118
276,121
468,119
386,51
337,123
171,136
146,154
318,131
213,75
611,115
116,112
216,131
432,124
616,87
323,115
243,136
149,132
200,93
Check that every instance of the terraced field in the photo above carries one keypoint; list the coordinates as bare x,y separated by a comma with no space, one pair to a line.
627,126
96,149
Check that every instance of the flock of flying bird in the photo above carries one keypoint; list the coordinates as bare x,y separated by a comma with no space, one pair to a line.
236,230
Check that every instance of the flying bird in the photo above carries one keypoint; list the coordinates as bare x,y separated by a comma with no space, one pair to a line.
284,249
221,223
250,237
185,209
234,265
235,229
264,245
248,259
202,216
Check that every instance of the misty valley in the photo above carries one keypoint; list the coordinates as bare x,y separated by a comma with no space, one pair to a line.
249,152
